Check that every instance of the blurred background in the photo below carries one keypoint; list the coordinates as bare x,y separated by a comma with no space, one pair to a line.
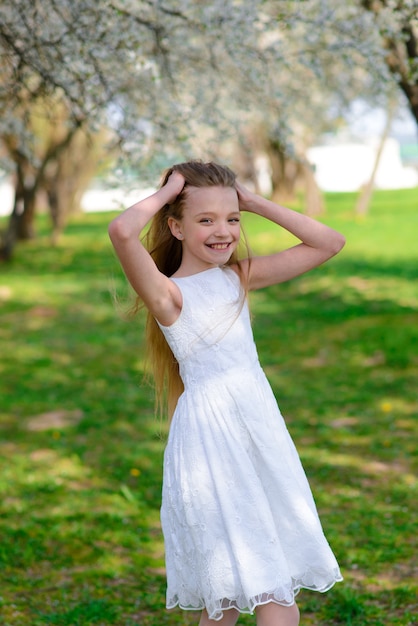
97,98
314,103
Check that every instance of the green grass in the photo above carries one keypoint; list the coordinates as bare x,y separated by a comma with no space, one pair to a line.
81,451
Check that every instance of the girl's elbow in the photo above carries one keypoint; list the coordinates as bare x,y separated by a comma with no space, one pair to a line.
338,243
117,230
341,242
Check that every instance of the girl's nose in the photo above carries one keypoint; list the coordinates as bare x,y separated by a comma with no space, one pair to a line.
222,229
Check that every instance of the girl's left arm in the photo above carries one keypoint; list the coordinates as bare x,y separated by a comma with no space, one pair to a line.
318,242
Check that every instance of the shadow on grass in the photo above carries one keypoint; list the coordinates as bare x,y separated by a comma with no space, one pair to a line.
81,452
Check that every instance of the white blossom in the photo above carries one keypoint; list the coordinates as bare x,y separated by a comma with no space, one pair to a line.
185,67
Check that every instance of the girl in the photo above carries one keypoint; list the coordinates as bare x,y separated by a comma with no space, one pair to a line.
240,525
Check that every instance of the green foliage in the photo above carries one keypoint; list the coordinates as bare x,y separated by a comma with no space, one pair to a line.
81,452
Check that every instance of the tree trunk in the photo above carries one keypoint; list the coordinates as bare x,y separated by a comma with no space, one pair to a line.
68,176
363,201
285,173
402,53
25,222
28,183
314,201
21,222
8,240
400,69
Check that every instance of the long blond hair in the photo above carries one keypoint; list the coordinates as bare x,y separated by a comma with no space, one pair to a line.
166,251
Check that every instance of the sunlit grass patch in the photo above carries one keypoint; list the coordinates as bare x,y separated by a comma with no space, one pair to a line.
81,450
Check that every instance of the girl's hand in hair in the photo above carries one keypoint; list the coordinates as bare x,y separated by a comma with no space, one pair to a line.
176,184
245,197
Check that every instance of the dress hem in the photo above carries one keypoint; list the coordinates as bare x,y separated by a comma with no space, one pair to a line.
217,613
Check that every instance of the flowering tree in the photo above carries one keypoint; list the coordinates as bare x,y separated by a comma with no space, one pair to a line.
397,24
159,71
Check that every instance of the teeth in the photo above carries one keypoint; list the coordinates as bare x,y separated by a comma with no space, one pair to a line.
219,246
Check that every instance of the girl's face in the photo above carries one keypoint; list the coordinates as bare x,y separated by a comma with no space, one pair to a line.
210,227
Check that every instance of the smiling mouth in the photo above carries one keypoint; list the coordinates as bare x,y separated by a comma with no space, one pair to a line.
218,246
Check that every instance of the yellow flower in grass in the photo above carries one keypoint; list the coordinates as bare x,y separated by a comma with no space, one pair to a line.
134,471
386,406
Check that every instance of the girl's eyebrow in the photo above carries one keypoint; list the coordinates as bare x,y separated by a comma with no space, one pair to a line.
214,213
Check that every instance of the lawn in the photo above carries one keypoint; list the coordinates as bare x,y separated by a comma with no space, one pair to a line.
81,450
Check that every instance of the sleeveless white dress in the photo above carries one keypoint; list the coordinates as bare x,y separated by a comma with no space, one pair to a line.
239,522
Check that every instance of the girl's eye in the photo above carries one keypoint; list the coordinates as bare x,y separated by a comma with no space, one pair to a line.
234,219
205,220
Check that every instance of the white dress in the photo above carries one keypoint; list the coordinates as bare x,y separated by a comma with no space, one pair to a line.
239,521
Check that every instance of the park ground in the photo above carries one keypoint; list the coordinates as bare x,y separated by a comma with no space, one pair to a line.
81,449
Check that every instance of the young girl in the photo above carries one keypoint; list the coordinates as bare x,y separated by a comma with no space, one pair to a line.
240,525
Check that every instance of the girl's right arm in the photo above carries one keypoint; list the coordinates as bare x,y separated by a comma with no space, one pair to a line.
159,294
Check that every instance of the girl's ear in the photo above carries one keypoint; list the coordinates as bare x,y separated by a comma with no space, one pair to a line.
175,228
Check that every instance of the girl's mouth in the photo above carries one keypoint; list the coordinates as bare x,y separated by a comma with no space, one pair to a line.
218,246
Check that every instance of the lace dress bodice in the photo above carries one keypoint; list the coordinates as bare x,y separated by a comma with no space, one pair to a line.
214,318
